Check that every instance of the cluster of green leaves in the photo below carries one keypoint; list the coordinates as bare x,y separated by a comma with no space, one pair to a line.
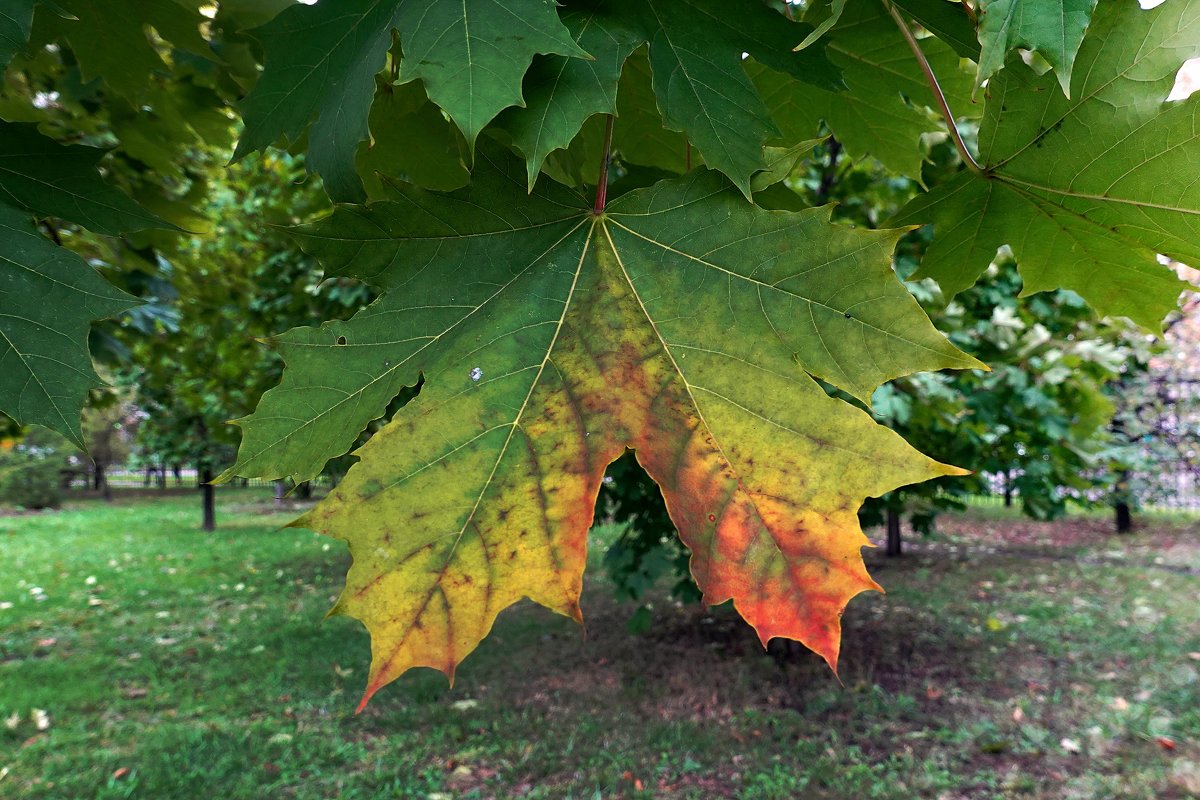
581,223
103,110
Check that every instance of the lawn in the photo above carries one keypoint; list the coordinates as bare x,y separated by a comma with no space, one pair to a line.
141,658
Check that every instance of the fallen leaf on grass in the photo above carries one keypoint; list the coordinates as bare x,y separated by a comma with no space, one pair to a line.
1165,743
41,719
119,773
1070,745
12,721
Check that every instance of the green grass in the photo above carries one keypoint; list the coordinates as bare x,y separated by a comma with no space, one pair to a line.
198,665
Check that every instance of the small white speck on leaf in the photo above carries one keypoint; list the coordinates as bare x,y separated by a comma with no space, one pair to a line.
476,374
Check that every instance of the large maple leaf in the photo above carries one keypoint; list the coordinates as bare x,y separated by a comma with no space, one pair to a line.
1087,189
682,322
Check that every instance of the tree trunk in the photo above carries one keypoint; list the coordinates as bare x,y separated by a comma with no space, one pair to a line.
1008,490
102,483
893,532
1124,518
149,475
97,476
1124,514
304,491
279,493
162,476
178,470
208,499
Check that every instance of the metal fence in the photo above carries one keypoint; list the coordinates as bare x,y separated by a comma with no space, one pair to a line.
187,478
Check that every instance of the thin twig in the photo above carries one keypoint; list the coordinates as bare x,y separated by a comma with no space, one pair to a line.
938,96
602,183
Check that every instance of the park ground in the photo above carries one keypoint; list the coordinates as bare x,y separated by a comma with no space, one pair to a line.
141,658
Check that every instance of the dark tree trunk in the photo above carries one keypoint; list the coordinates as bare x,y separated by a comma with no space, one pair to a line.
1008,490
209,500
162,476
1124,518
178,471
1124,514
893,533
98,477
149,475
304,491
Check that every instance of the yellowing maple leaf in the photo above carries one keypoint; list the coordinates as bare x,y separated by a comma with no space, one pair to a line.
682,322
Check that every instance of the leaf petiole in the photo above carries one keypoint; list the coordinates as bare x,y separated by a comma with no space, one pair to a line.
938,95
605,158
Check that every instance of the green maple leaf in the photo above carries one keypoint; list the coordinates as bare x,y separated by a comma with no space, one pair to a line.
562,93
948,21
48,300
411,141
883,113
638,133
1087,189
682,322
472,57
49,179
48,295
110,38
1054,28
832,15
320,62
696,54
639,138
16,20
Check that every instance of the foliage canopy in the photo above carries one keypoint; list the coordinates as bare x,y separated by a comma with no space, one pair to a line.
557,284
